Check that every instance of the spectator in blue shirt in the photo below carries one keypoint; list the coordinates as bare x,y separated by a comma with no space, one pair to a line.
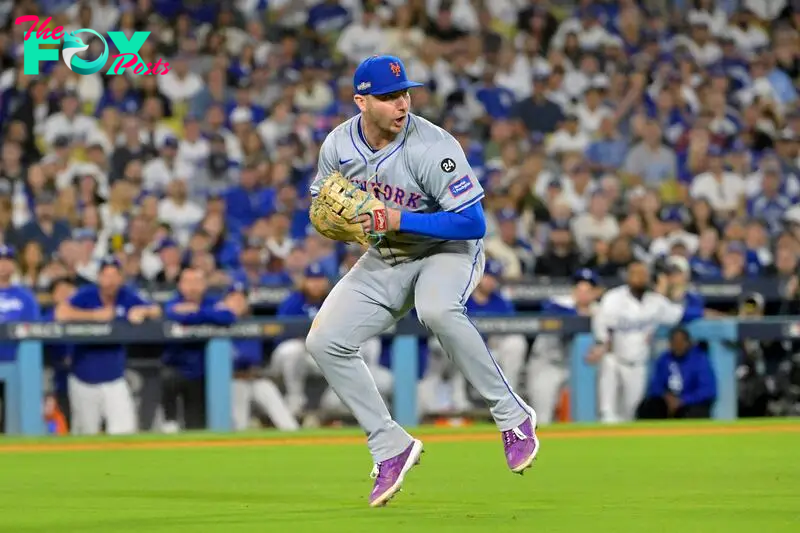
244,101
683,384
249,201
118,95
253,266
44,229
607,153
184,372
497,101
287,201
98,391
769,205
328,17
705,263
679,273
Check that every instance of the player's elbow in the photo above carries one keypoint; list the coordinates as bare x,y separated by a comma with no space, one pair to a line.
62,313
475,226
478,228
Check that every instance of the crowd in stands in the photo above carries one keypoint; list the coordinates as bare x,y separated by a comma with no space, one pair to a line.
602,131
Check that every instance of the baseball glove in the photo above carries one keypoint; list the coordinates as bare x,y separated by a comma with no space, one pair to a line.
334,210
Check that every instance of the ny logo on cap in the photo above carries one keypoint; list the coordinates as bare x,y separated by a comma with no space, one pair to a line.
395,69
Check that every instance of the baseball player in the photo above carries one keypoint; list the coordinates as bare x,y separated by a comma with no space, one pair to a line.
59,355
97,388
291,359
17,304
184,363
249,385
508,350
623,328
430,256
548,366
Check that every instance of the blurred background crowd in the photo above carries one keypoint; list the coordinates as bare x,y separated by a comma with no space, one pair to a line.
602,131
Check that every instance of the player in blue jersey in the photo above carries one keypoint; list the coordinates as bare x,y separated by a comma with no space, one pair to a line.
548,366
59,355
98,391
250,385
508,350
184,363
17,304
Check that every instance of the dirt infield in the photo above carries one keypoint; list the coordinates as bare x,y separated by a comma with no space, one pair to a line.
455,436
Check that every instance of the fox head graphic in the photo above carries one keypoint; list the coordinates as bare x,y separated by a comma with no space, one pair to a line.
72,45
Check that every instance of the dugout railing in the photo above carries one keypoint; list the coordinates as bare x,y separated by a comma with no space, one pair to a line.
24,376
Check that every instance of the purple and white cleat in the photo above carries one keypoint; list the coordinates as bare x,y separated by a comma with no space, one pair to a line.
389,474
521,445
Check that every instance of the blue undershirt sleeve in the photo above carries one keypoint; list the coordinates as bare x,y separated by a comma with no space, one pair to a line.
465,225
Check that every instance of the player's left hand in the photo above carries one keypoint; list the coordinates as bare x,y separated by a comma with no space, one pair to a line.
673,403
596,354
137,315
392,221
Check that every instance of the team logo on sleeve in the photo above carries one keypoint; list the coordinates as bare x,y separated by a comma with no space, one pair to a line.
447,165
460,186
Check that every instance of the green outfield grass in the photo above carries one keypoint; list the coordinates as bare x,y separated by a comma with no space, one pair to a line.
697,477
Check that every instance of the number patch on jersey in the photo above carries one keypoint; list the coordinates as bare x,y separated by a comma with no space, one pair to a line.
447,165
460,186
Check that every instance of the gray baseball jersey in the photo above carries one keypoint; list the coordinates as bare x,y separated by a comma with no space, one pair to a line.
423,170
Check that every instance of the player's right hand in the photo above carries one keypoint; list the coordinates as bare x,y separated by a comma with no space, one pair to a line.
185,307
105,314
595,354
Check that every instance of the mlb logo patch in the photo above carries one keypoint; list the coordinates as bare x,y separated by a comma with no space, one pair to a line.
460,186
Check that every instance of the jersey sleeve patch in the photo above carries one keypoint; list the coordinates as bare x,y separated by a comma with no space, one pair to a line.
460,186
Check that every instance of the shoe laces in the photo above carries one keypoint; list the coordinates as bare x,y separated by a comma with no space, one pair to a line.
514,435
376,471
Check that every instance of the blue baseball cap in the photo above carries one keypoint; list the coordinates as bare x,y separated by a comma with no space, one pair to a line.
110,261
736,247
238,285
7,252
493,268
738,146
166,243
381,75
507,214
585,274
671,214
315,270
84,234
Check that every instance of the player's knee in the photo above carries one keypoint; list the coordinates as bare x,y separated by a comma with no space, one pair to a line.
434,315
315,343
320,341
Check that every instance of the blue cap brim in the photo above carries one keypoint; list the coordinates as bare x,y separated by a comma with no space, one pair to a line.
396,87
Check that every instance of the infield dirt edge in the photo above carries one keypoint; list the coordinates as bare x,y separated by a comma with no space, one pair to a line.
455,436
